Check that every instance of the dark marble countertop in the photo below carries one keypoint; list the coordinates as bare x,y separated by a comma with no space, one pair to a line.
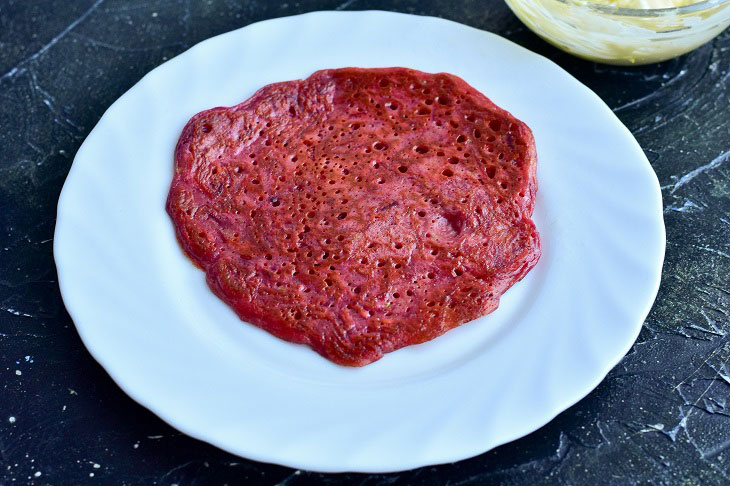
662,416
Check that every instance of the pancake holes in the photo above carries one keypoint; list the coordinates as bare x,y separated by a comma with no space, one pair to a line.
489,147
457,272
268,256
364,261
297,315
500,200
421,149
357,290
188,211
402,169
376,165
379,146
344,201
423,111
431,303
430,275
267,142
309,254
215,170
380,263
470,118
409,293
206,127
345,171
340,238
426,91
428,235
327,241
453,161
354,126
398,246
383,83
292,110
440,153
495,125
434,252
275,202
380,180
396,295
477,133
397,266
503,185
500,156
392,105
453,124
422,213
306,229
372,245
429,102
443,100
367,150
522,194
342,216
311,214
237,170
448,172
513,127
328,282
294,158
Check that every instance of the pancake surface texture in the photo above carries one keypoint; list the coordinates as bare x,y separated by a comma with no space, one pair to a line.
358,211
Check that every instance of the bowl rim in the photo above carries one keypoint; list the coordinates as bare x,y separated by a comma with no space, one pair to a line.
647,12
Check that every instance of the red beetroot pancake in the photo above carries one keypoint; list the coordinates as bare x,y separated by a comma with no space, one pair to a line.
359,210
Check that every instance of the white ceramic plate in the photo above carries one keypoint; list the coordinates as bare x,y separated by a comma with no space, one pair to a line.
147,316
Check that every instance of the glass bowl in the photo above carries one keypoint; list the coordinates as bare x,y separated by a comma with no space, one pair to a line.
625,36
